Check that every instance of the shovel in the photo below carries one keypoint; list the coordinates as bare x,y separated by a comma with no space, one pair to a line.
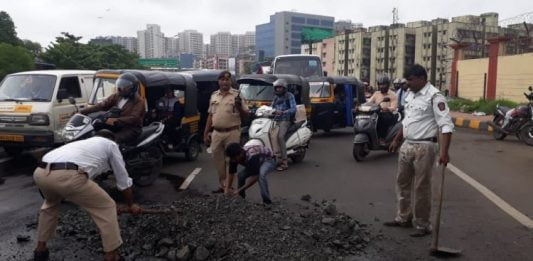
147,211
436,250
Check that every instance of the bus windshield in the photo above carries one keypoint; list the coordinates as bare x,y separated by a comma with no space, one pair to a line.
306,66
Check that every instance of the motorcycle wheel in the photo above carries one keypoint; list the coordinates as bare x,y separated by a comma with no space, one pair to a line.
498,135
298,157
526,134
193,150
360,151
149,176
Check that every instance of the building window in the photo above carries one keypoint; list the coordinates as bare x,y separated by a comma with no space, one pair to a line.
296,35
313,21
298,20
295,27
326,23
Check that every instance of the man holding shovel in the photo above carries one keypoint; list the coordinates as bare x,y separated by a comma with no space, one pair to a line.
426,114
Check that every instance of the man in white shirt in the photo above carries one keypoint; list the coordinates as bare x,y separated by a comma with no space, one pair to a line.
426,114
67,173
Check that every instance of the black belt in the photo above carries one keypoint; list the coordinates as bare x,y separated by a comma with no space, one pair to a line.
226,129
59,166
433,139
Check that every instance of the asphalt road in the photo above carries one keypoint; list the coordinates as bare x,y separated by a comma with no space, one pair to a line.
364,190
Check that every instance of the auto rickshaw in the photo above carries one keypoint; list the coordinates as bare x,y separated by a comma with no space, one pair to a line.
206,84
258,90
332,101
153,85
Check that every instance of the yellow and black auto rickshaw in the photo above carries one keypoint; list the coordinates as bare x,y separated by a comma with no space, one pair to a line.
258,90
185,137
332,101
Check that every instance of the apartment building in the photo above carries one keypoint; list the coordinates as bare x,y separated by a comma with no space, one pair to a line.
392,50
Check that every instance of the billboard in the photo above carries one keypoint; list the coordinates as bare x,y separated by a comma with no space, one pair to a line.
315,34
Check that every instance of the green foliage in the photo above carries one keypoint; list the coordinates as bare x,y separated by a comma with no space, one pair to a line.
14,59
488,107
34,47
68,53
7,30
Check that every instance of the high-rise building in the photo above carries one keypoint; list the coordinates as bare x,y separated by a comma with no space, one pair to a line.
207,51
433,39
151,42
393,49
129,43
191,41
244,44
352,54
221,44
171,47
283,34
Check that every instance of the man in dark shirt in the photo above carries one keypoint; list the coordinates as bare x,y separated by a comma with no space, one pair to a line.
258,161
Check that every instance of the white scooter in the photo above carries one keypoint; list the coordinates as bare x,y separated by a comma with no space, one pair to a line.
297,138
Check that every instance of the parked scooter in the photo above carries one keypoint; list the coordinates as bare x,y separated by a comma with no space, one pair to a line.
365,129
519,121
143,157
297,138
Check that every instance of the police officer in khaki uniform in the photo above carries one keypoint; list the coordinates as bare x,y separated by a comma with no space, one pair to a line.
226,109
426,114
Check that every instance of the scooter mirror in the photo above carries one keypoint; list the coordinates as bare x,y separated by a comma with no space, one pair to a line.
530,88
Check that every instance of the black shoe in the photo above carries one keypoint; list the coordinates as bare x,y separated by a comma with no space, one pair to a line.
395,223
2,181
421,232
218,191
41,255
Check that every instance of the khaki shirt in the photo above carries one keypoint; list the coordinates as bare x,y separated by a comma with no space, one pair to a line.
223,111
426,112
378,97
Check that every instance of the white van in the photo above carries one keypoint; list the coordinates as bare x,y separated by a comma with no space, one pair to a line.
34,106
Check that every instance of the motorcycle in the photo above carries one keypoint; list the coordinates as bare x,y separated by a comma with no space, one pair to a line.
520,121
296,140
365,129
143,157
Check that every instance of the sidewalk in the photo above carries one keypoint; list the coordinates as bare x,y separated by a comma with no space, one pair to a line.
467,120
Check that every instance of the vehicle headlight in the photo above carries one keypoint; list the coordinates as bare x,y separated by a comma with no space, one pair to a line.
39,119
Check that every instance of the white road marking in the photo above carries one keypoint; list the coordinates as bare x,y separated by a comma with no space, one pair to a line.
513,212
190,178
2,160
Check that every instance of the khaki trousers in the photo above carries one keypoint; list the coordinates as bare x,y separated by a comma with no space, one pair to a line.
77,188
415,167
219,142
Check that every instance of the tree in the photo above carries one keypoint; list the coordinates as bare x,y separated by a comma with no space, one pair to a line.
7,30
68,53
34,47
14,59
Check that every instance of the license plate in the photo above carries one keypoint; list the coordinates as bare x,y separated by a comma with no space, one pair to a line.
14,138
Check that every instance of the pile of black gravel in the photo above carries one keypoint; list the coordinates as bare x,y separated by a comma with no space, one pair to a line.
204,227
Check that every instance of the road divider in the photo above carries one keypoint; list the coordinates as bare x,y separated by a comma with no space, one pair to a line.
506,207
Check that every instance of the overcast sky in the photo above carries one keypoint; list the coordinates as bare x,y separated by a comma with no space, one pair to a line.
43,20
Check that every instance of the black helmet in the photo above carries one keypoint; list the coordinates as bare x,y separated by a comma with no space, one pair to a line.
281,83
383,80
127,85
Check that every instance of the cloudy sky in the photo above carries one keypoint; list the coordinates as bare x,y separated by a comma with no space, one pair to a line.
43,20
